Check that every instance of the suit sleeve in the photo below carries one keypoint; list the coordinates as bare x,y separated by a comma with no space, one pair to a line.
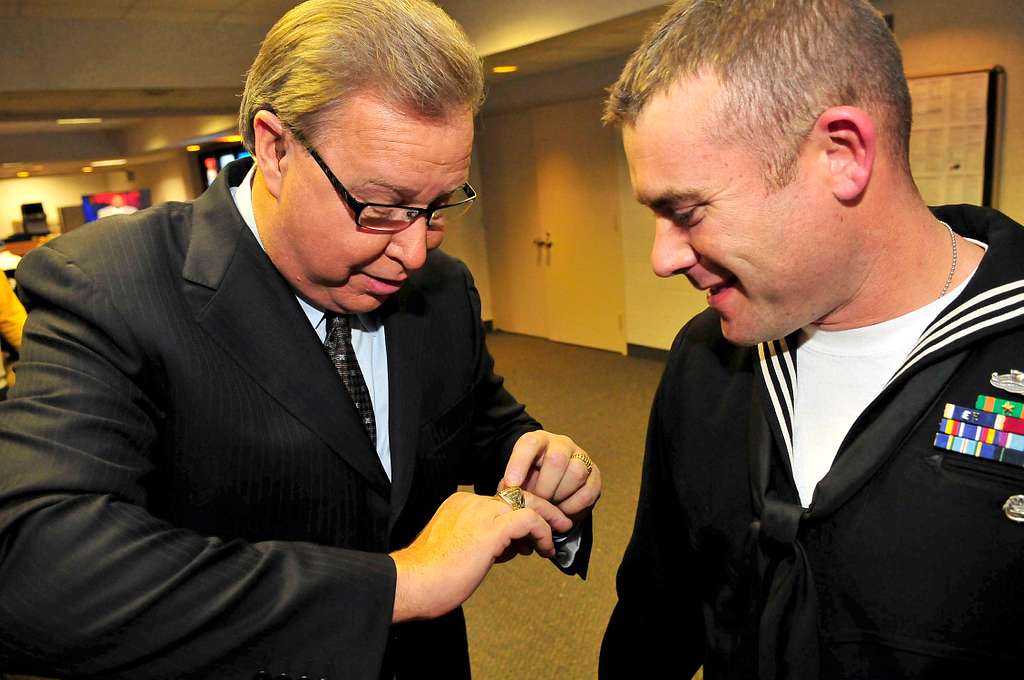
656,628
91,584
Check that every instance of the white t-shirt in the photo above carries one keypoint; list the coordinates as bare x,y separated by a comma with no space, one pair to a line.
838,373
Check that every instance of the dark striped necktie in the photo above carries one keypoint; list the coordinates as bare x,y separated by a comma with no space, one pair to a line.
343,356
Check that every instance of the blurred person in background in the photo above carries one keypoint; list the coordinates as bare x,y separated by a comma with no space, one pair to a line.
12,321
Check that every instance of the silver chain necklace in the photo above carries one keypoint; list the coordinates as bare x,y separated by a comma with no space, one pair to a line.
952,269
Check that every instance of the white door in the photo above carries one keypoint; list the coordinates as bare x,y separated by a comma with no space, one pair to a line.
551,215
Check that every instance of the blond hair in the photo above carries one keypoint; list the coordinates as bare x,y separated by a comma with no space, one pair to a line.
781,63
408,52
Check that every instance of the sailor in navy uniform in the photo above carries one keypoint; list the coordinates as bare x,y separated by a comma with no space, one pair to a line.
805,509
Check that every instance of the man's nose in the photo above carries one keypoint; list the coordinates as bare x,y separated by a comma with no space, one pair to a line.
672,252
409,246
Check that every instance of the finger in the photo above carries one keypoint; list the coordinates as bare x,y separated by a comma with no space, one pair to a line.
551,514
529,484
526,450
584,498
556,460
527,524
554,516
575,476
531,479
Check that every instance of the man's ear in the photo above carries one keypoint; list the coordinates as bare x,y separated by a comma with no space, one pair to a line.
270,150
850,142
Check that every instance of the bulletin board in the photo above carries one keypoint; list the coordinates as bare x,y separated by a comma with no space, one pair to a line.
953,139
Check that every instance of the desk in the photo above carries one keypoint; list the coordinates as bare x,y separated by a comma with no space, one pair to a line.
19,248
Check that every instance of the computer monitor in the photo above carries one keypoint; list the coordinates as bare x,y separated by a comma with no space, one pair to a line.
95,206
214,157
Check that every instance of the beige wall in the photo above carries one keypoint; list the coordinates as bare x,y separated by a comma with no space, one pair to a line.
155,134
656,308
956,35
52,192
467,241
167,181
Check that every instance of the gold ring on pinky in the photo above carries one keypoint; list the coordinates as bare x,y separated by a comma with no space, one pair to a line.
581,456
513,495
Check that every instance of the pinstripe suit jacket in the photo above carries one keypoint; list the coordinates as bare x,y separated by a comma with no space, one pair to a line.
185,487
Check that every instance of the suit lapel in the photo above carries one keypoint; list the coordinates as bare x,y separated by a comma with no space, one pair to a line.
404,328
241,300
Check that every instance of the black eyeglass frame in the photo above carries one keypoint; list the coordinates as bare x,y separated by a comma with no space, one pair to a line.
357,207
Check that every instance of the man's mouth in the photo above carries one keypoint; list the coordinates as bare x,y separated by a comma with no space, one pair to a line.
716,292
719,287
381,286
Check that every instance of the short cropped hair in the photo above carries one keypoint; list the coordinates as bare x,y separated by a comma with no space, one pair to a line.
781,63
319,54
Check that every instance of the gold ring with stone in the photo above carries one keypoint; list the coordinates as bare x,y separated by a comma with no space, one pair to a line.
581,456
512,495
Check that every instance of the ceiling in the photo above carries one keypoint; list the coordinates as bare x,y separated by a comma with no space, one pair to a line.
261,12
178,77
49,124
122,105
592,43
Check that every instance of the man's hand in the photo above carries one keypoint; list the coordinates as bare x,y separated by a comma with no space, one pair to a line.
453,553
544,464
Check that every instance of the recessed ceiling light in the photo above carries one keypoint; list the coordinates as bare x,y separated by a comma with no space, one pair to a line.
229,138
23,173
87,168
192,147
79,121
112,162
505,69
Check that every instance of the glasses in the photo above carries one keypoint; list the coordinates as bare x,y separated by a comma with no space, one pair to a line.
386,218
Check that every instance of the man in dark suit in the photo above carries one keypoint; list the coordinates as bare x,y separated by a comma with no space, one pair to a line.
241,421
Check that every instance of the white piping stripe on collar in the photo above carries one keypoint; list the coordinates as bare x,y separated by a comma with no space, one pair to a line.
1019,311
933,337
766,369
787,394
788,356
933,330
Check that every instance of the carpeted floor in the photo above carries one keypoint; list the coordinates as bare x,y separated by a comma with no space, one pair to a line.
528,620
